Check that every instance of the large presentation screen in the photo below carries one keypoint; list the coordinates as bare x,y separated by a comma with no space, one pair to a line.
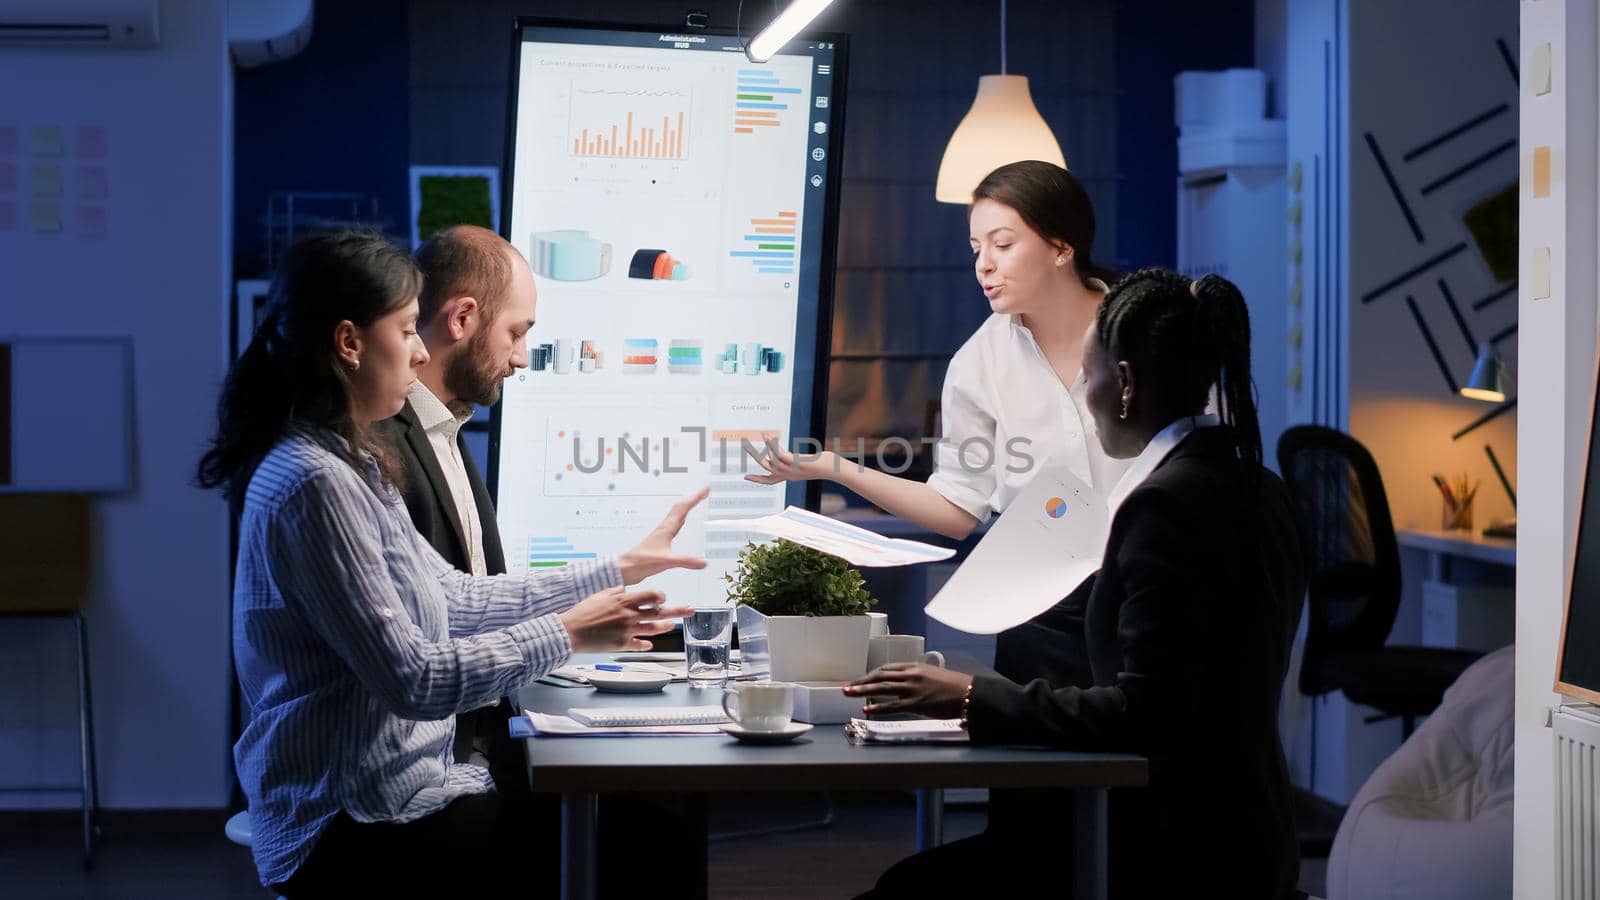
677,205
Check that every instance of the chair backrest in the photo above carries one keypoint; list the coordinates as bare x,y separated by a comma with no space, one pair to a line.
1354,584
44,559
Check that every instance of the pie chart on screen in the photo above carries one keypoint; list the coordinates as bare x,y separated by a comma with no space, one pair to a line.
1055,507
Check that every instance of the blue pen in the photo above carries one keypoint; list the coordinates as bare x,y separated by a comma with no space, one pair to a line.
608,667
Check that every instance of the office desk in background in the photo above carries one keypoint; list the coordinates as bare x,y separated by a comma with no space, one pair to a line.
1468,592
823,760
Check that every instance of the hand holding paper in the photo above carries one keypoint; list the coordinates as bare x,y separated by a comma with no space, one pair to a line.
856,546
1047,542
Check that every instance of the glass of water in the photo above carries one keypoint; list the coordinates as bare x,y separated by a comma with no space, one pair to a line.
706,636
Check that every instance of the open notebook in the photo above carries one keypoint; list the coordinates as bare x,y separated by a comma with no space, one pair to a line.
621,722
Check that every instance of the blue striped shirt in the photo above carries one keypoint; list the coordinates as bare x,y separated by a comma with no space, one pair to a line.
356,643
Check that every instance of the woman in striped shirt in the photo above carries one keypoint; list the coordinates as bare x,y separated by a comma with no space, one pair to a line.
355,642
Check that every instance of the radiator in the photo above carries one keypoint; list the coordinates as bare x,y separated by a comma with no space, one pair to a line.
1577,732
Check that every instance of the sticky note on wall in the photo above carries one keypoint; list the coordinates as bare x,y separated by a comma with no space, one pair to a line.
1539,70
1541,171
1539,273
45,181
44,216
46,141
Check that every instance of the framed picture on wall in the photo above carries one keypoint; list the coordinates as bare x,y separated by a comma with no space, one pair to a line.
442,196
250,299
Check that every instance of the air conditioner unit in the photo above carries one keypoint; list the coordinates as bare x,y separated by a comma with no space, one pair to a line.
267,31
80,23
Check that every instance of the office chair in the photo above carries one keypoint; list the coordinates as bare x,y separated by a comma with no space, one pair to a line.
1354,584
44,564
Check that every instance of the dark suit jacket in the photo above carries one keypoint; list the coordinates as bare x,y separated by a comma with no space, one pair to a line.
433,511
428,497
1188,630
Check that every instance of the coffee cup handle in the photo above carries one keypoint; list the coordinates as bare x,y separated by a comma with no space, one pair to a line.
726,711
934,658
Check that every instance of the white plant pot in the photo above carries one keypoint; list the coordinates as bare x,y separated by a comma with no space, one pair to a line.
803,648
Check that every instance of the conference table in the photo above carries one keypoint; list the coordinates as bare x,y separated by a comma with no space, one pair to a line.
581,768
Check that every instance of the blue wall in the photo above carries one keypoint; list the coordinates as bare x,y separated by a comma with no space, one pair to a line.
334,118
1155,41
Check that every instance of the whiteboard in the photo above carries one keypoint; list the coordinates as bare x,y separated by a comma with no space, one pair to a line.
70,422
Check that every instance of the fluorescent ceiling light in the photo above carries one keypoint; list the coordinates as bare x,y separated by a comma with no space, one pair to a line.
783,29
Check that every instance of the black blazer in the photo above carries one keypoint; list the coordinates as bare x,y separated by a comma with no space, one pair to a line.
427,494
433,511
1188,631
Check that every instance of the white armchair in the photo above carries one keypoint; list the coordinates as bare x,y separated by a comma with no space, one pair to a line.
1434,820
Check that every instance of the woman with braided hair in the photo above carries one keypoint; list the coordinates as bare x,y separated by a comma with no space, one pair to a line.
1188,626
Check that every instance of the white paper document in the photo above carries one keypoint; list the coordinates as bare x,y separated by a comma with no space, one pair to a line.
1043,546
857,546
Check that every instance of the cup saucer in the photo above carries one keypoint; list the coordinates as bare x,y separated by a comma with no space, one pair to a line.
628,681
782,736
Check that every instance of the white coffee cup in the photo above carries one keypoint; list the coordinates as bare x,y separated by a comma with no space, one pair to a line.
883,649
760,705
878,623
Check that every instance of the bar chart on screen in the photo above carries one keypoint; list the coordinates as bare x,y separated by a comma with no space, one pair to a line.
761,100
609,123
733,497
554,552
769,244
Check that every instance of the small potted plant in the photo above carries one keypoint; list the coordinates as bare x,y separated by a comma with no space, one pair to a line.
802,613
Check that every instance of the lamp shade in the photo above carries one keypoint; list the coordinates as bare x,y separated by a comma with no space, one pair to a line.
1488,380
1003,126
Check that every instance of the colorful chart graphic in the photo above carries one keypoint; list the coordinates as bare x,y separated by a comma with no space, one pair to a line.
570,254
559,356
553,552
657,265
618,124
751,358
686,357
1055,507
770,244
760,100
639,356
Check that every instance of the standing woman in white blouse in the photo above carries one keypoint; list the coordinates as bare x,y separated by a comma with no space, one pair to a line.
1014,393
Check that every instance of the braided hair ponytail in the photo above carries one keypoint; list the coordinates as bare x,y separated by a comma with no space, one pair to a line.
1223,323
1187,337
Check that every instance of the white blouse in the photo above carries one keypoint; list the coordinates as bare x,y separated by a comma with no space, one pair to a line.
1000,392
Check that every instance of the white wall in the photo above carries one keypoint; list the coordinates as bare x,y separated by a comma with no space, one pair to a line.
158,611
1557,385
1314,56
1272,27
1403,96
1314,62
1406,74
